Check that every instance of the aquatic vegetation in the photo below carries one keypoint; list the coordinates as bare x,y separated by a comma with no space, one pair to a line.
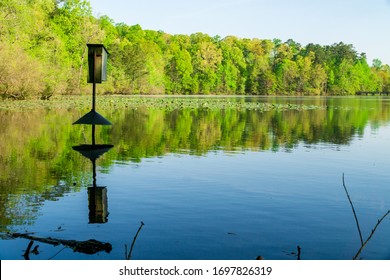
155,102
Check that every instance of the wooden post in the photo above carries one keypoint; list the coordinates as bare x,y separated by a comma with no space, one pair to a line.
94,82
94,96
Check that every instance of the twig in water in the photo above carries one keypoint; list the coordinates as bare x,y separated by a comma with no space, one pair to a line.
128,256
26,254
56,254
363,243
299,253
372,233
354,213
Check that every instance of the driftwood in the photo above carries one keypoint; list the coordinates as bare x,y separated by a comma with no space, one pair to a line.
89,247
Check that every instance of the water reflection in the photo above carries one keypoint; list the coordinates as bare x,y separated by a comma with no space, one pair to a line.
40,165
97,195
97,205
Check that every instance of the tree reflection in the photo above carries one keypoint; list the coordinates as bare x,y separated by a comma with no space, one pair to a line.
36,154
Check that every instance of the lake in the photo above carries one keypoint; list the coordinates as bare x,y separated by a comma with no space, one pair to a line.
196,178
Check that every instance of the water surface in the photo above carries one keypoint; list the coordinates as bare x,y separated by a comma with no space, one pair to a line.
208,183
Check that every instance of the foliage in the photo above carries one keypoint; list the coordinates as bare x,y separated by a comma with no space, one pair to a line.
44,53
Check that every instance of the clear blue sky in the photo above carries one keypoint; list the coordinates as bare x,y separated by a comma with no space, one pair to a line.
363,23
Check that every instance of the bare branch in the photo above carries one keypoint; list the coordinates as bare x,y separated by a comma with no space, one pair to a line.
128,257
372,233
354,213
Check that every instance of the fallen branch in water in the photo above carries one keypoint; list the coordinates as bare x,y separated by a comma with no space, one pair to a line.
89,247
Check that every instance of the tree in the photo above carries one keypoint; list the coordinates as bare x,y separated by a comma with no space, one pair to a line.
233,69
73,22
20,75
260,77
377,63
179,69
206,61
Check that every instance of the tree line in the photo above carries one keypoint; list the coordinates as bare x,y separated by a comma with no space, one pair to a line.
43,53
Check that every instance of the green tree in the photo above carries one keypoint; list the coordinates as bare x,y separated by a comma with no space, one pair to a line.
206,61
74,24
179,68
233,69
260,77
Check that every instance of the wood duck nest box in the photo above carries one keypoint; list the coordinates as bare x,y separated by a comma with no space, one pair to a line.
97,63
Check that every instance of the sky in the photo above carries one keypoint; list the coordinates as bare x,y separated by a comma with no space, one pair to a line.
363,23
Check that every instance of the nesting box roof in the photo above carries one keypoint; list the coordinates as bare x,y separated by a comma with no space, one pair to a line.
97,46
93,117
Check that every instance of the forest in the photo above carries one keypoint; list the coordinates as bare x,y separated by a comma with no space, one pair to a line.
43,53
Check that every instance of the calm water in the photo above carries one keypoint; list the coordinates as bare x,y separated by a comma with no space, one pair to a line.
207,184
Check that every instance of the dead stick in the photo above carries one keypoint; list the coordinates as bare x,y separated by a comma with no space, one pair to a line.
372,233
299,253
26,254
135,238
354,213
